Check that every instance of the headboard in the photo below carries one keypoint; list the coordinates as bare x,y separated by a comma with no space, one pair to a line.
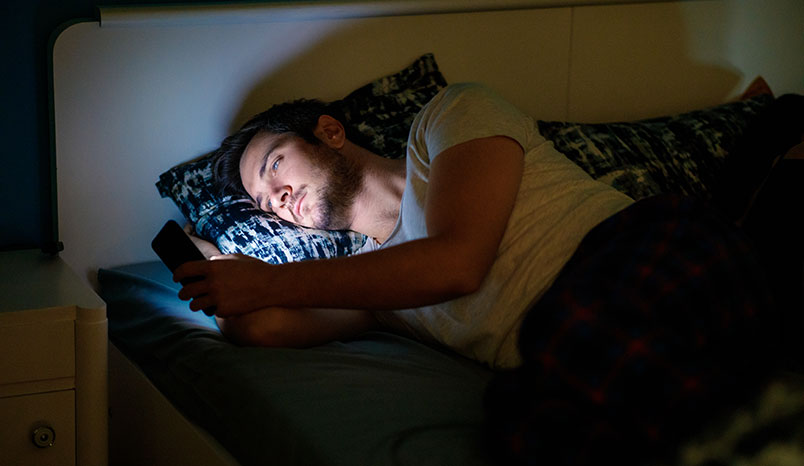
146,88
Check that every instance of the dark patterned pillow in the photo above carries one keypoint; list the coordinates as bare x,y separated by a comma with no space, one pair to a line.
239,227
681,154
380,111
235,225
190,186
383,110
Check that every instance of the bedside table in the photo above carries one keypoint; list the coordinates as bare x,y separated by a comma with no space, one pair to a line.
53,366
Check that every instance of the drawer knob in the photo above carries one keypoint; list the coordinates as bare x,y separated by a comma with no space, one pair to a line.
43,437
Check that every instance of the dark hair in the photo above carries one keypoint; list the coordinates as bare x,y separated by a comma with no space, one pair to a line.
298,117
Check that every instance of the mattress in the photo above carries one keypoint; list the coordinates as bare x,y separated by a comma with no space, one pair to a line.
381,399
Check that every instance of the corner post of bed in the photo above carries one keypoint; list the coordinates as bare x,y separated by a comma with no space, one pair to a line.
92,386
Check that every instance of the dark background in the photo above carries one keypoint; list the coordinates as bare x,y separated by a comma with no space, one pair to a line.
25,186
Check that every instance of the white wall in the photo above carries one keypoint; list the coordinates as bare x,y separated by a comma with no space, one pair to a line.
643,60
133,98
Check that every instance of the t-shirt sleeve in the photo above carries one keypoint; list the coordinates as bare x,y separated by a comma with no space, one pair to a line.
462,112
369,246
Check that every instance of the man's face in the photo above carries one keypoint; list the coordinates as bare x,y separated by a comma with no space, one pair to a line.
311,186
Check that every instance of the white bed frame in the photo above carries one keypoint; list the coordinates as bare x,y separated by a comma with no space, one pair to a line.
145,88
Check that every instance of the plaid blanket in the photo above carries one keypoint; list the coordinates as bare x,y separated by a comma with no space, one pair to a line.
659,321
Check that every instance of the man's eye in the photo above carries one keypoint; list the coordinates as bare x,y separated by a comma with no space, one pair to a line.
275,165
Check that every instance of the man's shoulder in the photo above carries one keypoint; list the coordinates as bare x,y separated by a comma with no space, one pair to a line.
464,90
465,111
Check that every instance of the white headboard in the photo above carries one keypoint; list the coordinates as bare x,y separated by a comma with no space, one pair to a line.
146,88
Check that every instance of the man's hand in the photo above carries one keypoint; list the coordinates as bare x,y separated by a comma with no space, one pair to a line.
230,284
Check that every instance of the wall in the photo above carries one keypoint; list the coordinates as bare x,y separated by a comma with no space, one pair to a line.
25,189
25,186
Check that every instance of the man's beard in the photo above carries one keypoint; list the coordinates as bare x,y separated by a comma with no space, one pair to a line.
344,179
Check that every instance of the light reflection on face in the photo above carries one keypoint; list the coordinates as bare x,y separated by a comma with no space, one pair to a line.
309,185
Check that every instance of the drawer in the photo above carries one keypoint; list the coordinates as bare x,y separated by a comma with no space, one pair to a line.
21,416
37,351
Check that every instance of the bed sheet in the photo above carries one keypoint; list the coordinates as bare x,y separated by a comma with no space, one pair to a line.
378,400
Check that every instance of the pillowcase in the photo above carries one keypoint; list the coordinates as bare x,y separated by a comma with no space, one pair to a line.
239,227
680,154
383,110
235,225
377,116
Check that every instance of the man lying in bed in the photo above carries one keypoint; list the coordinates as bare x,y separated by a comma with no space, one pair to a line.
639,315
467,233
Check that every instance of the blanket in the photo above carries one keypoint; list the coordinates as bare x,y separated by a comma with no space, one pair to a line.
660,320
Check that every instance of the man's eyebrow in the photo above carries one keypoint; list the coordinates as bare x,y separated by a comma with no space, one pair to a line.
263,167
264,163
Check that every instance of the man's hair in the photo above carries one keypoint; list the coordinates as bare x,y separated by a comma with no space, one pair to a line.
298,118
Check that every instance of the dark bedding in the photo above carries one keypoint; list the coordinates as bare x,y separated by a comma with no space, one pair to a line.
378,400
660,321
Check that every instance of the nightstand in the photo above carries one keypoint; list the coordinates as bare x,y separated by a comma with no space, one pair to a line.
53,367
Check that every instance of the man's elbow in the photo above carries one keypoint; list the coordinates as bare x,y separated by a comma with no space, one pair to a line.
462,267
246,330
466,280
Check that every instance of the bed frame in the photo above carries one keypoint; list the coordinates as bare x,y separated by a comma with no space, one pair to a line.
142,89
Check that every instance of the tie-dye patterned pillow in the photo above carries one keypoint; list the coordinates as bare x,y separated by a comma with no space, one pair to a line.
383,110
380,111
235,225
680,154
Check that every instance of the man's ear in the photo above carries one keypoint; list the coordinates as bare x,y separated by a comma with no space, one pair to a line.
330,131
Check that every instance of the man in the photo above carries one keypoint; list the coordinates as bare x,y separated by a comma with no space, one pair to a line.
627,322
467,233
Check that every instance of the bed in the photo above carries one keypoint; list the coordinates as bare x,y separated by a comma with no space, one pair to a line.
143,90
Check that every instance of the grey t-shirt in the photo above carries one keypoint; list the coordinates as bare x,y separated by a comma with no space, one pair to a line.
557,204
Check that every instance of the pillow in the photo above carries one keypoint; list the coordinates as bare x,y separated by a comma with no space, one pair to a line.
383,110
239,227
235,225
378,115
680,154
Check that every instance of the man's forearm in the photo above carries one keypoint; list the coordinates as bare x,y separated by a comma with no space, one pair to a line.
413,274
295,328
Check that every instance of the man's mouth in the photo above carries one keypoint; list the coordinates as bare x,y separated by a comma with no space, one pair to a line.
296,207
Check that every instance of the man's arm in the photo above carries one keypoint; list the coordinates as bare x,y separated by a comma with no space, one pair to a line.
471,194
295,328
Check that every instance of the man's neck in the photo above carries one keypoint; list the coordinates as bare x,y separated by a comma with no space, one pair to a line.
376,207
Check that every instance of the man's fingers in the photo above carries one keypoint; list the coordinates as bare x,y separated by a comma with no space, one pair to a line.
203,303
192,290
189,270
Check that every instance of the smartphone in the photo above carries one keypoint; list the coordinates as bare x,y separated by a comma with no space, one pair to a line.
174,247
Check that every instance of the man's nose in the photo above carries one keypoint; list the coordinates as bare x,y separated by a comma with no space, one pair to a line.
280,197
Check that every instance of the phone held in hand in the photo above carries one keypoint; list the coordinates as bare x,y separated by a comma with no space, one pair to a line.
174,247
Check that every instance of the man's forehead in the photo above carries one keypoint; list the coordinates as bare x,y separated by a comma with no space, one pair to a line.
258,146
260,141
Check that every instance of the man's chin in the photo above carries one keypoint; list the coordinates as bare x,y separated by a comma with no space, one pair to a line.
330,224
